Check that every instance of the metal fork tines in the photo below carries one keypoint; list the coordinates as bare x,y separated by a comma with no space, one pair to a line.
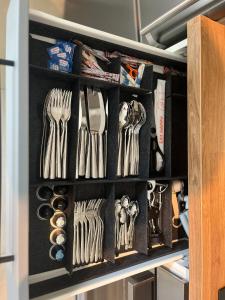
58,110
88,232
66,113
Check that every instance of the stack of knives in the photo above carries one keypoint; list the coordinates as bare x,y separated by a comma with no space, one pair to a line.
91,154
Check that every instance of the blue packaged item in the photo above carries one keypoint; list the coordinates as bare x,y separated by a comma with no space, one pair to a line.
61,56
60,65
63,50
67,47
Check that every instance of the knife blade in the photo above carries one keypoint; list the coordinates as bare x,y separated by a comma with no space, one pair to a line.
94,111
100,136
78,140
105,138
83,137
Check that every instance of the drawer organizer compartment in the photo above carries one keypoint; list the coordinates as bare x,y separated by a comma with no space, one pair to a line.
130,217
125,217
92,154
159,213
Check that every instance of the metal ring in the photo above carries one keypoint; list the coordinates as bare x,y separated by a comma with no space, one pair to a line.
176,226
50,251
38,211
55,231
57,213
38,193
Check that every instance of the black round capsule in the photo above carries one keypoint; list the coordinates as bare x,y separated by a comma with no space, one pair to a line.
61,190
44,193
45,212
59,203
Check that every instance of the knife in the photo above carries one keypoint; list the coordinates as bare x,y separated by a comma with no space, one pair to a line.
83,134
105,138
94,111
100,136
78,141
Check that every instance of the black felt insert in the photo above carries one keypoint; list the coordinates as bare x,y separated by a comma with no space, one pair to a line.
39,233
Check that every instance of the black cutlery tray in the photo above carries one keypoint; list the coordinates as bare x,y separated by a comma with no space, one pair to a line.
41,80
40,229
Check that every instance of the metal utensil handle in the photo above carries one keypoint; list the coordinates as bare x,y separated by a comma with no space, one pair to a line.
127,155
100,156
137,153
64,170
82,244
124,146
119,168
77,155
94,166
52,159
88,158
82,153
62,139
58,156
48,153
105,153
132,154
43,151
78,245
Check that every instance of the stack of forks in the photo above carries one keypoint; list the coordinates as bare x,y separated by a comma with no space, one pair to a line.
88,232
56,114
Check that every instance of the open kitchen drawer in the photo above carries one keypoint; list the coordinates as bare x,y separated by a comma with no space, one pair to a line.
48,276
48,280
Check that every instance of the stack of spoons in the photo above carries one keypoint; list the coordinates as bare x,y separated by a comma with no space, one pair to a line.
132,117
126,212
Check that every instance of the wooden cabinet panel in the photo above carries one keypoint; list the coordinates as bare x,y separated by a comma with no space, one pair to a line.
206,119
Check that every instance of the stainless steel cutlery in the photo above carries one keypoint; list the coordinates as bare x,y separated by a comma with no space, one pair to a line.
94,111
88,232
132,117
126,212
56,113
92,145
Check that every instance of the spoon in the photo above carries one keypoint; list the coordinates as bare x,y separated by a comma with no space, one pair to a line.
123,122
127,141
133,213
123,218
137,129
117,222
136,117
125,201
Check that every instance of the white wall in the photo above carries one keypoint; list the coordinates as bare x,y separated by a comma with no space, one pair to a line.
112,16
3,9
53,7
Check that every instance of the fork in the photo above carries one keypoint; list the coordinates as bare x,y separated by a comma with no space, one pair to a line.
66,113
43,140
56,112
49,161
